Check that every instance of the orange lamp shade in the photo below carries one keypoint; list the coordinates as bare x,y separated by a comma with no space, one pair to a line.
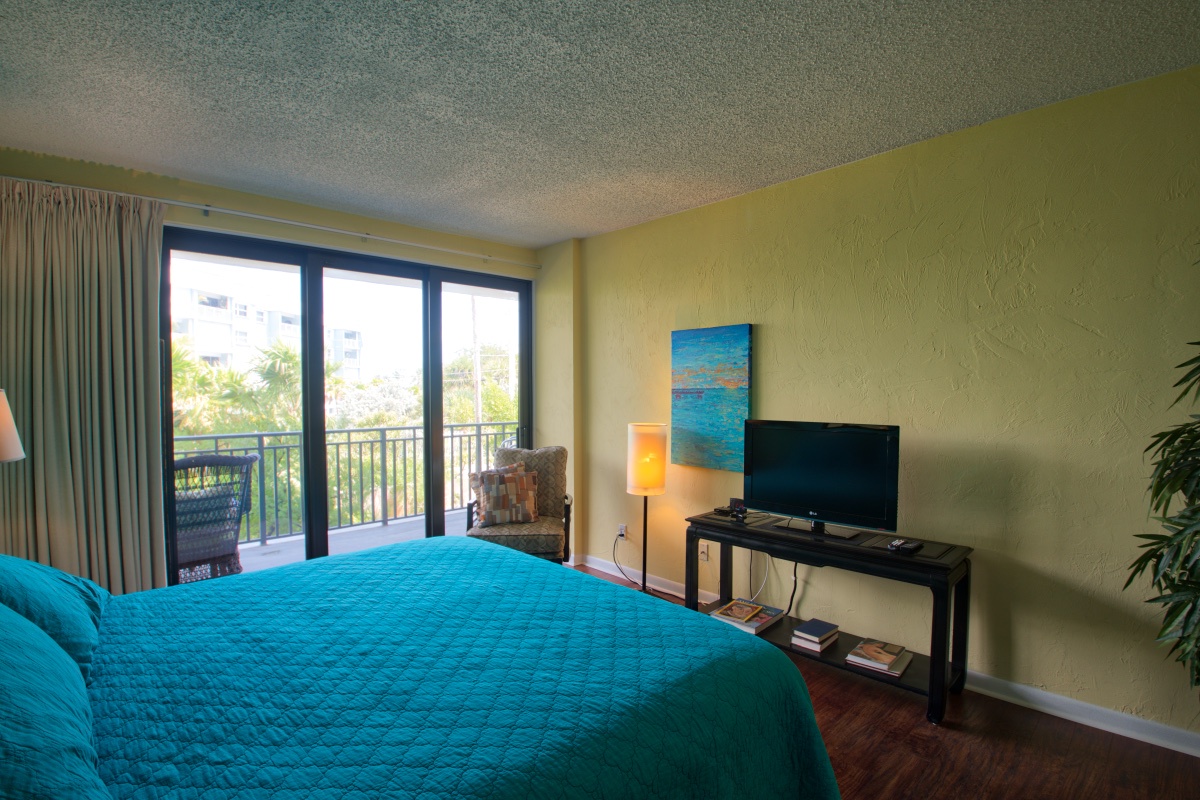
646,472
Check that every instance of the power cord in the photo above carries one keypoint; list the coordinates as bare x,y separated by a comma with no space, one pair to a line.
792,599
750,579
616,539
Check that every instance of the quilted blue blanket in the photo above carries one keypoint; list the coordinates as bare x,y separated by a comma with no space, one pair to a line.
441,668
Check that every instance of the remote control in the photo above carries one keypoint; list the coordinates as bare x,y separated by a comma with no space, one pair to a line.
905,546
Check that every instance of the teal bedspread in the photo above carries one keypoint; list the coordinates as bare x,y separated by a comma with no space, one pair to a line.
445,667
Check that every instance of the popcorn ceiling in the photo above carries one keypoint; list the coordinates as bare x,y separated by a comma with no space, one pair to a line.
529,123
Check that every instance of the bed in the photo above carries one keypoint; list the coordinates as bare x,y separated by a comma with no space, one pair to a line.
445,667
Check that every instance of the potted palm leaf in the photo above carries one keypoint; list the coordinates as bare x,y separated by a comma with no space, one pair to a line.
1173,557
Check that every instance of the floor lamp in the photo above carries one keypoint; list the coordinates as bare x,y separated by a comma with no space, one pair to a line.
646,471
10,442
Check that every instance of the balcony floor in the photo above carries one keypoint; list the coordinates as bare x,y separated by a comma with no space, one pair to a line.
289,550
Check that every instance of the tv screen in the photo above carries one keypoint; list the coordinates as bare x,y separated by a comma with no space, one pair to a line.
826,472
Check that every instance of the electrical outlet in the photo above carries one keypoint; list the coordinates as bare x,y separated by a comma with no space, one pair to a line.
704,551
621,531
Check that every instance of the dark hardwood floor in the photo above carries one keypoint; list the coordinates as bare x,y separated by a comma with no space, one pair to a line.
881,746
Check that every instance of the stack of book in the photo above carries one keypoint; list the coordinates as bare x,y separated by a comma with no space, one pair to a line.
748,616
814,635
885,657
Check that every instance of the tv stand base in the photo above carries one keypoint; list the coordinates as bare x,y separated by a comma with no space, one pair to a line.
944,569
804,526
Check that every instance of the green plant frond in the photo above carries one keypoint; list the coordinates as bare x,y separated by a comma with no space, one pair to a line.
1163,565
1135,569
1178,592
1191,621
1156,553
1191,379
1186,529
1176,466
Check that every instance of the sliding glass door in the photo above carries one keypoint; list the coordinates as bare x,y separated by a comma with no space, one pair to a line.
374,408
481,386
235,355
369,389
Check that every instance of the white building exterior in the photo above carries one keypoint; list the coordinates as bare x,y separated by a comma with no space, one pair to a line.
229,331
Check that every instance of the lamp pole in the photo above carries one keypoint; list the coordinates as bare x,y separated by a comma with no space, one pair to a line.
645,540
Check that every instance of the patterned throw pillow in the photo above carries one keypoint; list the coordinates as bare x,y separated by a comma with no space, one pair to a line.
511,497
476,478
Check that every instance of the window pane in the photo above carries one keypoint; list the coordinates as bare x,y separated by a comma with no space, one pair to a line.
374,409
235,390
480,386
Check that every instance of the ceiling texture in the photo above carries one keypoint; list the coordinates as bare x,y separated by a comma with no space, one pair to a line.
532,122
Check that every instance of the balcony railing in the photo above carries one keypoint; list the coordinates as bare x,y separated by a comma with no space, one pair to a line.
374,474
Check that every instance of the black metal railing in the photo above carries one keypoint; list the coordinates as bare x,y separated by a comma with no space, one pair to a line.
374,474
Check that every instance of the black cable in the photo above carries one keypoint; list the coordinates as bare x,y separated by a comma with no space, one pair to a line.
618,563
792,599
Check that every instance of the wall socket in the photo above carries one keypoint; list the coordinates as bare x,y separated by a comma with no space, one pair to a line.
704,551
621,531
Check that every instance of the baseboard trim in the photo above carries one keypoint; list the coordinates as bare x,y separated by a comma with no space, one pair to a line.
635,575
1104,719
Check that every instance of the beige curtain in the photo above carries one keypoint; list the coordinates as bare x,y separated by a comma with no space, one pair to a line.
79,358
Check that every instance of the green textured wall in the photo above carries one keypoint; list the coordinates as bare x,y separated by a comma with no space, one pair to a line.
557,364
1015,297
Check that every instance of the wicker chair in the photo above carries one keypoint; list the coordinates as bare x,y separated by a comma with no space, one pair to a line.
212,494
550,536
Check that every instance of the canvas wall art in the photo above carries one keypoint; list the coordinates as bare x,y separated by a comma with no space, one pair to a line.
710,396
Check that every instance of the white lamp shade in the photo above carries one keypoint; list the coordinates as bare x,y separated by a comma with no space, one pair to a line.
10,442
647,465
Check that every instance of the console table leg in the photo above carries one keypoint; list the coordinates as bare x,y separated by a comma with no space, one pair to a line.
691,570
726,572
958,642
939,652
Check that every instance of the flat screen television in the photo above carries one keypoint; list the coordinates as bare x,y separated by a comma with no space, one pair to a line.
824,472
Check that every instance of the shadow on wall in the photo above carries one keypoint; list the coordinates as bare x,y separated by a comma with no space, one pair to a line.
962,493
1100,629
1034,582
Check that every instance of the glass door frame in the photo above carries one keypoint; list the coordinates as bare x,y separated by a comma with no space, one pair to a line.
312,262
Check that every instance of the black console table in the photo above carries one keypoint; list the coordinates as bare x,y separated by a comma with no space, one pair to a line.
944,568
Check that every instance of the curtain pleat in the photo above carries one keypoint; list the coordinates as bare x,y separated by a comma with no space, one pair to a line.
79,359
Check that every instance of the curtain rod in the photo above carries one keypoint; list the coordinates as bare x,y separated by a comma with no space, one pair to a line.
265,218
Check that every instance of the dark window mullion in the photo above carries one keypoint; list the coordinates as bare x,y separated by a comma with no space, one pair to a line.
168,414
312,331
525,372
435,455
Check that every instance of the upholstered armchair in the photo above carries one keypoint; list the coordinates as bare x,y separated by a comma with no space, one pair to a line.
550,536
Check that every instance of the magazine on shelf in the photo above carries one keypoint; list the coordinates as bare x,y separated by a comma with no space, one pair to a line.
763,618
896,668
736,611
875,654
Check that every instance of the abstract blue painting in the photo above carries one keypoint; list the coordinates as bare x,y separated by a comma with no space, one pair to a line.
710,396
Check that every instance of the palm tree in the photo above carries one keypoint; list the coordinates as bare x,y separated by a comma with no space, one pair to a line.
277,396
193,390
